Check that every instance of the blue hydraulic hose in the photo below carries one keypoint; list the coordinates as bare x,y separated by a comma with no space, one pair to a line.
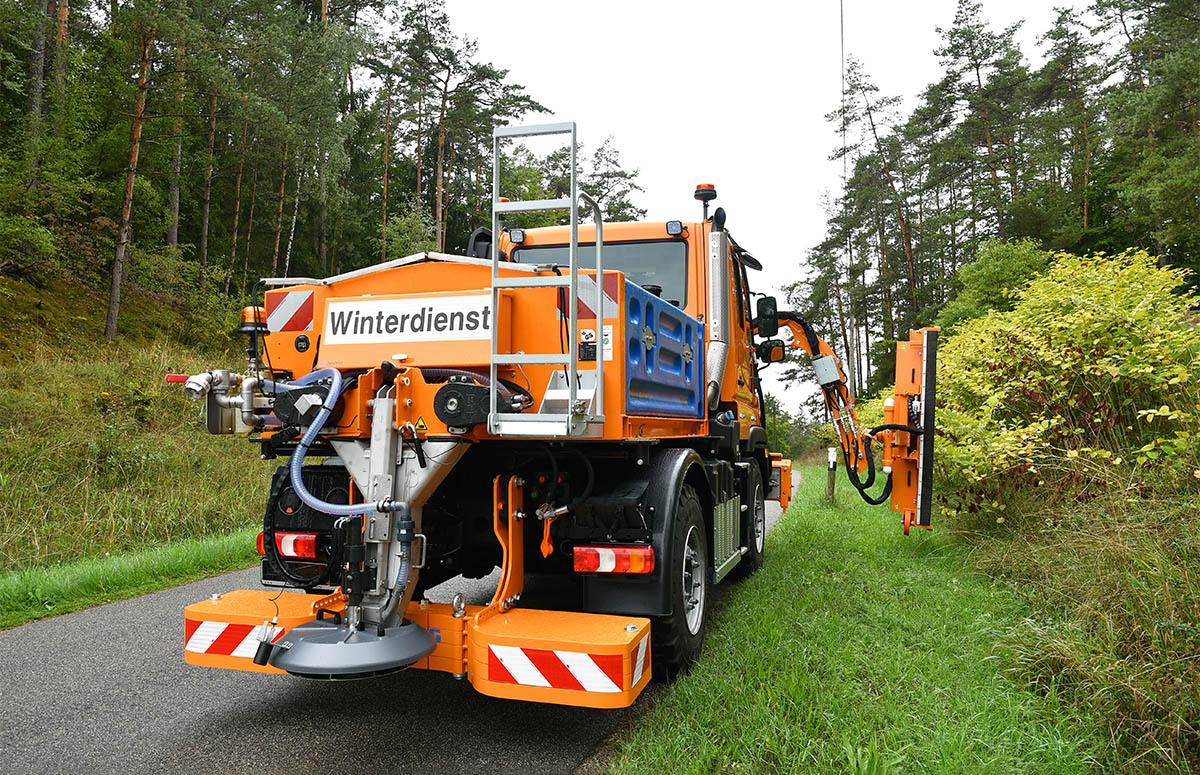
310,500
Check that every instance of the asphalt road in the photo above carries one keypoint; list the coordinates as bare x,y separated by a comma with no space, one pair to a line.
107,690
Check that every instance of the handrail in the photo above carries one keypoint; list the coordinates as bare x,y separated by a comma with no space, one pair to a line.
591,202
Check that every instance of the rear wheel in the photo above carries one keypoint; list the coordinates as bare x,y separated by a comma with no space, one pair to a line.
679,637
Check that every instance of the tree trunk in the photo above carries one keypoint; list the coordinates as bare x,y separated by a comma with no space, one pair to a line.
287,254
37,85
177,156
237,207
441,148
991,155
60,64
837,292
279,207
1087,142
889,328
387,143
905,231
135,146
206,196
323,226
249,228
446,195
420,117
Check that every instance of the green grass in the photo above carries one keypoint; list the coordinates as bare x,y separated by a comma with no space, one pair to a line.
98,455
109,484
857,649
39,592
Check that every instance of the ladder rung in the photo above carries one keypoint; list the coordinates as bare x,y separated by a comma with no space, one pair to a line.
532,417
534,130
532,205
523,358
544,281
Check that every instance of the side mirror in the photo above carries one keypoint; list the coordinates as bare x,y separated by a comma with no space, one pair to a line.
770,351
767,322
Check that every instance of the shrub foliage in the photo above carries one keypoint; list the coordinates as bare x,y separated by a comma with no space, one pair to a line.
1070,455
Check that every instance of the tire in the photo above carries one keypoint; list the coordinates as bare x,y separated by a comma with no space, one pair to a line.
677,639
756,527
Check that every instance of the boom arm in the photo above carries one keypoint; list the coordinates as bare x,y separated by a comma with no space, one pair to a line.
907,431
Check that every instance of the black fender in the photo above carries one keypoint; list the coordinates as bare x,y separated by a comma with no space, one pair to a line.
649,595
756,441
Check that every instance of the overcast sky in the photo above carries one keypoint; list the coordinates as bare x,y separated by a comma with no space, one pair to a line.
693,92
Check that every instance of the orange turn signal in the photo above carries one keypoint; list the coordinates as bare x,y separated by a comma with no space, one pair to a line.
614,559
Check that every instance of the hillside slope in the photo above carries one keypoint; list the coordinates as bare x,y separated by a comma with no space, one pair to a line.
97,454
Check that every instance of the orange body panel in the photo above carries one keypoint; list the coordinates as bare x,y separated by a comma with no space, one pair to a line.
581,659
529,322
232,617
902,454
737,386
600,638
784,467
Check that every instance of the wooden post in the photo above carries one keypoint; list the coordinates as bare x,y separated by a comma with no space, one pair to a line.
829,484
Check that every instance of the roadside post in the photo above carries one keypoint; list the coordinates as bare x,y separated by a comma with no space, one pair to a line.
829,483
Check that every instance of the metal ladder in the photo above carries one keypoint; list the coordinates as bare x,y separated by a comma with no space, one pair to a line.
575,417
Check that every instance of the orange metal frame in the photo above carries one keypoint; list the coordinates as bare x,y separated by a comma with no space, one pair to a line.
463,642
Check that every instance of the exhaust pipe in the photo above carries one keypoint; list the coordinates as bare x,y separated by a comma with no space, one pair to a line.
718,308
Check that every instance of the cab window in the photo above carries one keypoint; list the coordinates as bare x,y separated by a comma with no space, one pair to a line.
659,262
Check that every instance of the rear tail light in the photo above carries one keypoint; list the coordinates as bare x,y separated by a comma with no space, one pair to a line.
614,559
301,546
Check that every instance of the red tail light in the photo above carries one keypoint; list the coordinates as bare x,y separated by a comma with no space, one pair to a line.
614,559
301,546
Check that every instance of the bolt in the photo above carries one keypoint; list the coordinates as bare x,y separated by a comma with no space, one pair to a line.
214,597
631,628
520,482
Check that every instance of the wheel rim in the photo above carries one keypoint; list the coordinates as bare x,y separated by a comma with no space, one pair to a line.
760,519
693,579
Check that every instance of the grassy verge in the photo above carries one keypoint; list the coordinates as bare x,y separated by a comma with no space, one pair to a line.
98,455
40,592
857,649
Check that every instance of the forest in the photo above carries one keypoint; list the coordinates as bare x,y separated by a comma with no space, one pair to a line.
1090,144
1042,206
192,147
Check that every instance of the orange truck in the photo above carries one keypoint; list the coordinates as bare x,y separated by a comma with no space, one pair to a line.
578,400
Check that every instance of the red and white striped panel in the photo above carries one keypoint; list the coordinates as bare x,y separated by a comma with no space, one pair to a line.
641,660
231,640
291,311
555,669
587,296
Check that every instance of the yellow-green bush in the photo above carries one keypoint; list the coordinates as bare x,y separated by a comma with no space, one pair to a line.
1069,456
1090,382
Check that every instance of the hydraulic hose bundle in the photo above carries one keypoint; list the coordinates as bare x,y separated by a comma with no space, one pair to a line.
855,443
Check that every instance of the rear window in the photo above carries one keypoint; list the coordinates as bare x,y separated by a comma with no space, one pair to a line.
661,262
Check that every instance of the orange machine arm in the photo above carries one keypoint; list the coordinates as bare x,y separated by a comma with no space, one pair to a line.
839,401
899,438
